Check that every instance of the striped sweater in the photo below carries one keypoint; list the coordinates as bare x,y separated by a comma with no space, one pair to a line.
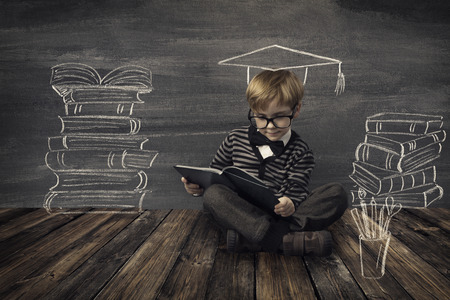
286,175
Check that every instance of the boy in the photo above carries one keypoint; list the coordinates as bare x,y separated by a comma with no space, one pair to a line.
270,150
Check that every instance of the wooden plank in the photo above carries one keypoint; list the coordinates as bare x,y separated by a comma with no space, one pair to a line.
232,276
59,239
89,278
422,280
32,235
7,214
331,278
5,210
346,246
189,277
144,274
41,266
58,258
70,258
430,242
22,223
282,277
440,217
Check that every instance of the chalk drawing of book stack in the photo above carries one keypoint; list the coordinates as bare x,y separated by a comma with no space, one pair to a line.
396,159
99,159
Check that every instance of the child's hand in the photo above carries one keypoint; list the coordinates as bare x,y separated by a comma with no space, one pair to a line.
285,208
192,188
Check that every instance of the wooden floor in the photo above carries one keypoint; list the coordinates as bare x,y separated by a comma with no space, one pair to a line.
179,254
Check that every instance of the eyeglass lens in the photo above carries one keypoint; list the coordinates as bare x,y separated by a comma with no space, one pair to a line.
279,122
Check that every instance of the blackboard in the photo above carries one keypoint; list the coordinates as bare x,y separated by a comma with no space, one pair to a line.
394,56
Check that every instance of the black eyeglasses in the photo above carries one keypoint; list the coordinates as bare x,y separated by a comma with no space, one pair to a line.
279,121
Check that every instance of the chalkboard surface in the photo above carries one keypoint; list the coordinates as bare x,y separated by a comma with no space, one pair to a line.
394,54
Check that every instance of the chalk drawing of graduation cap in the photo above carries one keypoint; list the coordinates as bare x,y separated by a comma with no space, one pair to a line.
277,57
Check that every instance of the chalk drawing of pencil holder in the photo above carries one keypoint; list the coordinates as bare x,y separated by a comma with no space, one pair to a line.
373,253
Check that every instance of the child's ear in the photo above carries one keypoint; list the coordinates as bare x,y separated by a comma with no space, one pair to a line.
297,110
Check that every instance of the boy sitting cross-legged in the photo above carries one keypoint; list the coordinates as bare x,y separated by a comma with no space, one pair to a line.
271,151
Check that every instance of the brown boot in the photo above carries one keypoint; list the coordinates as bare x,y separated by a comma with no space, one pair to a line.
236,243
315,243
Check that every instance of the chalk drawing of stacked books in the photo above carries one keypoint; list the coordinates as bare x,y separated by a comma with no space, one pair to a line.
396,159
99,158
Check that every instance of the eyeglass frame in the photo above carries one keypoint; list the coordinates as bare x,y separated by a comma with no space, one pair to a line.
271,120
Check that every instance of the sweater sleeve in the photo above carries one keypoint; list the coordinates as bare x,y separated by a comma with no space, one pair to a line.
224,155
295,186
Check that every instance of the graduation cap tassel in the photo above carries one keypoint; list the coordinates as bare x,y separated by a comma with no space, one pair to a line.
340,84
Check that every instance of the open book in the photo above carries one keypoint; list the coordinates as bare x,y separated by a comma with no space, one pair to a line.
247,186
80,75
80,83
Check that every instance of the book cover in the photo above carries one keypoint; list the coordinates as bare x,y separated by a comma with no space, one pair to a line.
104,201
77,180
403,123
101,95
246,185
420,197
97,108
100,159
402,144
383,158
378,181
99,125
105,142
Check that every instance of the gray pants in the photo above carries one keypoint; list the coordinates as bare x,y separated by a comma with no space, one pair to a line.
323,207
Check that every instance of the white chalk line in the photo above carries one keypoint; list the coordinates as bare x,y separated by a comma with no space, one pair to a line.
155,135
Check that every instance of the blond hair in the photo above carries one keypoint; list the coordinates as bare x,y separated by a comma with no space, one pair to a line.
282,86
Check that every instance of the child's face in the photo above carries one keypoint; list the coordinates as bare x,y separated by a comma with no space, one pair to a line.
273,110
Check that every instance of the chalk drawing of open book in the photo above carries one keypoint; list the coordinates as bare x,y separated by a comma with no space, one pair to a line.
98,157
